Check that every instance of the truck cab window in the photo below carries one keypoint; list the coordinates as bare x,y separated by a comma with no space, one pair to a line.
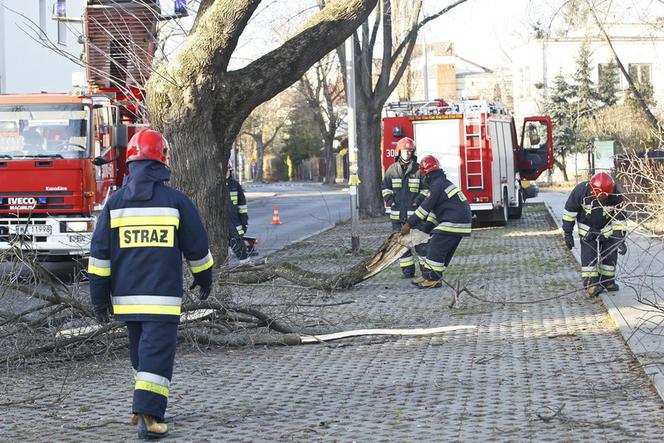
536,136
44,130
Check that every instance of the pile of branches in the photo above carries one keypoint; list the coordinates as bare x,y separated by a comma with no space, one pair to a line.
47,318
641,176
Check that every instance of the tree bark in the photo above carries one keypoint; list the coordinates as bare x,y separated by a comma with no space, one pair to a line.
260,155
562,165
330,163
199,105
369,156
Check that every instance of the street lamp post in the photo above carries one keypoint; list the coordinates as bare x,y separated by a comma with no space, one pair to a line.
354,180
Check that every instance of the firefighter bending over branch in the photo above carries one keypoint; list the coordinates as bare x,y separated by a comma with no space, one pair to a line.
446,215
403,191
597,208
135,271
238,216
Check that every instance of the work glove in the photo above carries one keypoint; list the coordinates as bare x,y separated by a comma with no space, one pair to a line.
569,240
204,281
405,229
102,313
622,248
203,291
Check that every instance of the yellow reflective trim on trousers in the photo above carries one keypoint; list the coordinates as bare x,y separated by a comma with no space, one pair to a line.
204,266
590,274
160,220
455,230
407,263
151,387
146,309
102,272
582,232
606,273
568,218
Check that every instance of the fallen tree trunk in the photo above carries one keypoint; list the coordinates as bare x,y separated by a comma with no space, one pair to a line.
389,252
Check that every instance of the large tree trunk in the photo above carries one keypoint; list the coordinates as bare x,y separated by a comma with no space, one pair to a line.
330,163
562,165
260,156
368,141
200,105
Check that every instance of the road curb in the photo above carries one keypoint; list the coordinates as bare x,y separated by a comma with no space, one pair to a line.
653,371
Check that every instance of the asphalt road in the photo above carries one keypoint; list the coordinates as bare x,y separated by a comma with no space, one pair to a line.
303,210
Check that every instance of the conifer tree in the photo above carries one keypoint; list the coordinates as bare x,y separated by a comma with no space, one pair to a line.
608,85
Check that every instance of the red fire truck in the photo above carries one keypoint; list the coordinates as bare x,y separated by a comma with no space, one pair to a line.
476,144
62,155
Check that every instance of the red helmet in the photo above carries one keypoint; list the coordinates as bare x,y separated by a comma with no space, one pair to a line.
407,144
148,145
601,185
429,164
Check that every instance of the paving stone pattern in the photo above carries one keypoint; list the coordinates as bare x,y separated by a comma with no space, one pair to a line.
555,370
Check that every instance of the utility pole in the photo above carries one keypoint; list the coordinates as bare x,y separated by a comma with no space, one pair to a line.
354,180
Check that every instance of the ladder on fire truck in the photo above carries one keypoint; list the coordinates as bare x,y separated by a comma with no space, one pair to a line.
474,136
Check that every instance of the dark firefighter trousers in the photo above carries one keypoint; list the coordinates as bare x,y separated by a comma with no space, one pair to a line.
237,244
152,352
407,261
599,255
436,254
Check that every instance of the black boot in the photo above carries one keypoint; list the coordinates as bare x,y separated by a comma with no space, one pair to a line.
150,429
611,286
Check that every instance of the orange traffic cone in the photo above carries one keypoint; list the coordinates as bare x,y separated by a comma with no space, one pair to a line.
275,216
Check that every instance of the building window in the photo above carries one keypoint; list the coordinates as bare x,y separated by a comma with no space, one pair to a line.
60,12
42,19
640,72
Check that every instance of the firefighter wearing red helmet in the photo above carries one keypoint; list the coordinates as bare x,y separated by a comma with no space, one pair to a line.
403,191
446,215
238,215
597,208
135,271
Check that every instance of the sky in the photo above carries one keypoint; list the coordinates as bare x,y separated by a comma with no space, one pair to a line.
485,31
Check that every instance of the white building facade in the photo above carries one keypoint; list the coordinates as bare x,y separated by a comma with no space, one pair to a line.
640,48
26,29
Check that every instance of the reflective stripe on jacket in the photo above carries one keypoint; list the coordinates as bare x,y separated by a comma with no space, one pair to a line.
403,189
445,210
605,218
136,254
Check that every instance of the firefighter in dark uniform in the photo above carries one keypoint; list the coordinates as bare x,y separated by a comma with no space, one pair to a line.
597,207
446,215
135,271
238,216
403,191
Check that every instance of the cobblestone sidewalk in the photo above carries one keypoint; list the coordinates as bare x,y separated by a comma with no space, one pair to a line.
553,370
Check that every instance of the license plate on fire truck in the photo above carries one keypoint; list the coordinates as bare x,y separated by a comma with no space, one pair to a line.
36,230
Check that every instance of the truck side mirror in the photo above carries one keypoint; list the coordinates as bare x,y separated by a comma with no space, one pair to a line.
100,161
120,136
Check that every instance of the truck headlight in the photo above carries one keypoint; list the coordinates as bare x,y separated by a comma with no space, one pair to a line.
78,226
